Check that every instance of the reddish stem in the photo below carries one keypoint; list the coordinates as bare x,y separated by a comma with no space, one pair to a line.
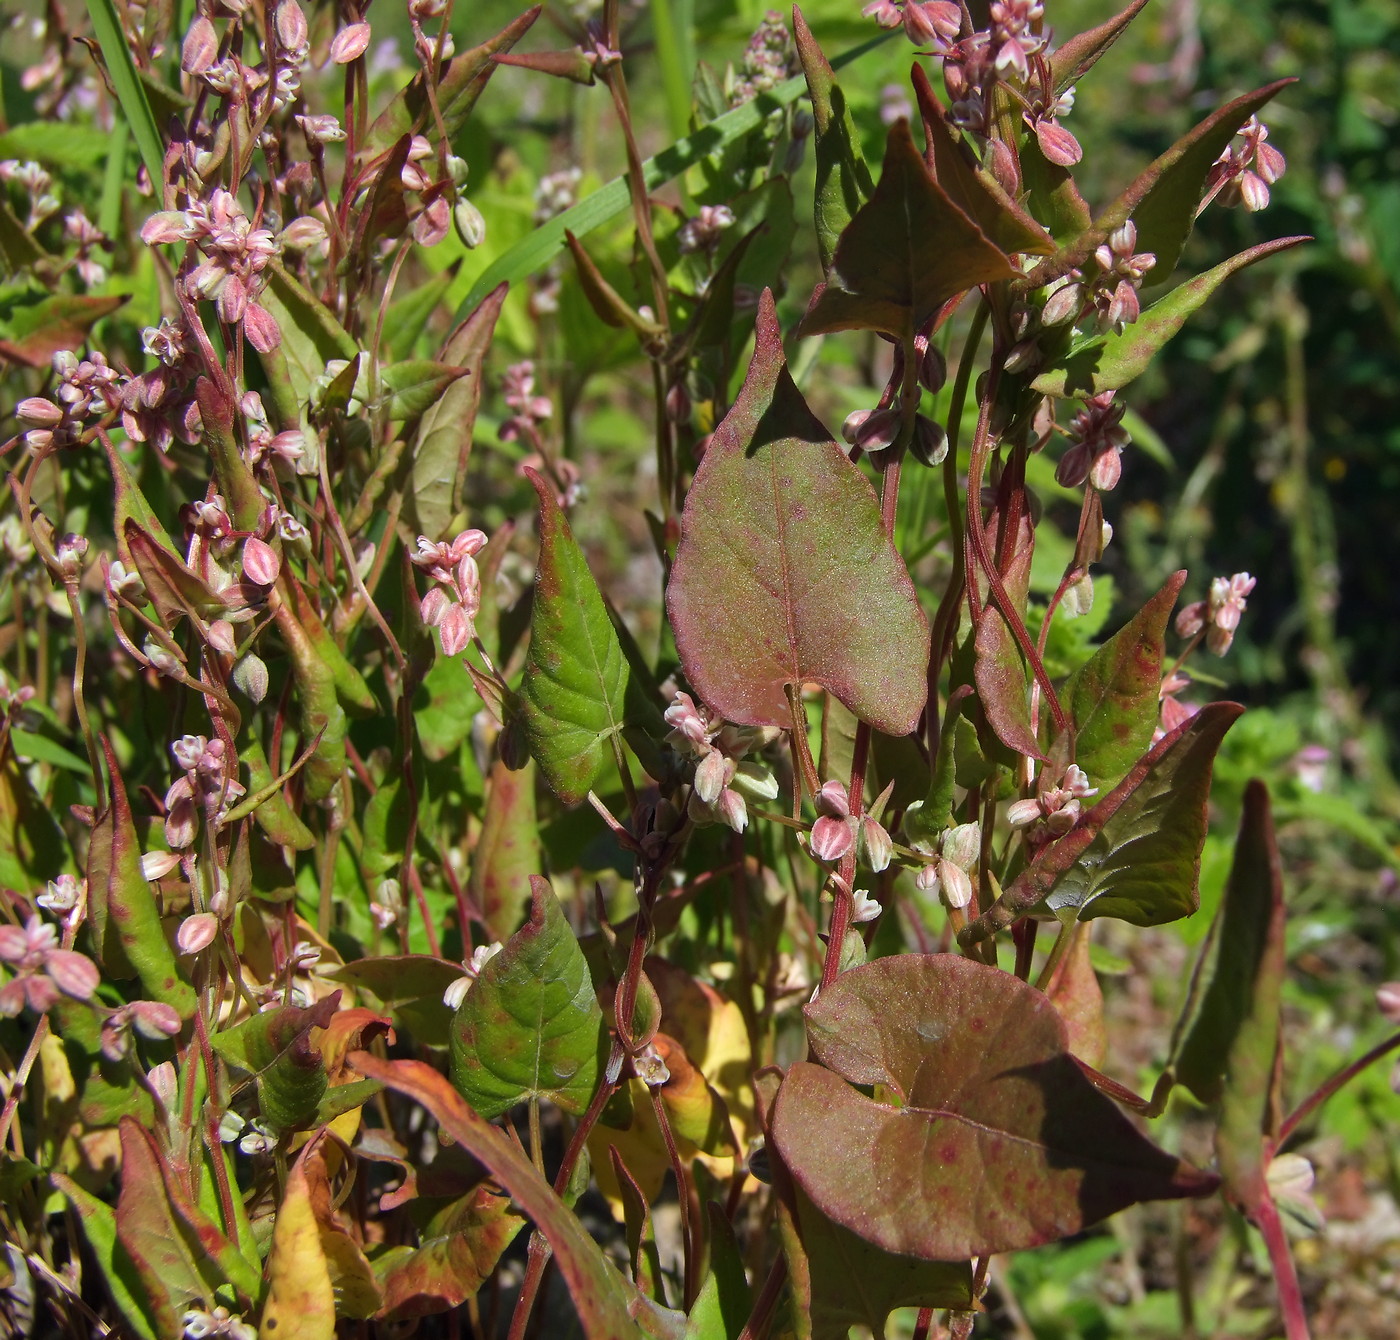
1320,1095
1290,1295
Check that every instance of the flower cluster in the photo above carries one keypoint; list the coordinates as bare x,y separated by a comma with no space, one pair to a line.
207,785
768,60
947,871
1054,810
1096,440
37,186
1245,170
1219,614
836,830
1112,294
88,391
926,23
42,970
702,232
721,775
452,606
528,410
151,1018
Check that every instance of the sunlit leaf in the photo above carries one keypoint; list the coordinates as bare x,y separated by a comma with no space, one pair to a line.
300,1298
530,1026
417,385
508,851
784,572
275,1047
995,1140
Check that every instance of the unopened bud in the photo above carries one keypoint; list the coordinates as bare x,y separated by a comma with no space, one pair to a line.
196,933
69,556
831,838
350,43
929,445
200,47
933,369
250,678
260,562
470,225
36,412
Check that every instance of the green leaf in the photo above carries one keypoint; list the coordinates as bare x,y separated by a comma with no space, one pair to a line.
130,91
1113,697
784,572
884,275
507,852
844,183
18,249
532,253
416,385
126,927
275,1048
1228,1034
724,1302
462,83
995,1140
600,1296
300,1303
444,705
34,332
385,826
40,749
119,1273
444,441
62,144
412,985
1137,854
1108,362
311,335
530,1026
574,692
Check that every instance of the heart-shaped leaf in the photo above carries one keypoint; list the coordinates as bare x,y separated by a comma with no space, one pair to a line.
530,1026
996,1141
1108,362
1137,854
600,1296
1228,1037
1112,698
843,179
574,695
885,274
784,572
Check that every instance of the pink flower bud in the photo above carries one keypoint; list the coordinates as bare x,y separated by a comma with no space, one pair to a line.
221,637
196,933
167,226
455,629
1191,619
291,26
36,412
879,850
261,328
1058,144
350,43
710,776
434,606
200,48
1023,813
833,799
1062,305
158,864
155,1019
75,975
1107,469
732,809
831,838
432,225
1388,1002
955,883
260,562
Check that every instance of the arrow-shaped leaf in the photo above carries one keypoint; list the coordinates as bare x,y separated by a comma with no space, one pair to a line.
784,572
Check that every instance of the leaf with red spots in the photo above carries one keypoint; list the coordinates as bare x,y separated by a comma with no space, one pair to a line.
784,572
991,1139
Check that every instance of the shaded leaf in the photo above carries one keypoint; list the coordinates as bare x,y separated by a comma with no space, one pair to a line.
507,852
530,1027
1136,855
977,194
600,1296
575,686
724,1302
844,183
275,1047
1051,195
1108,362
608,305
33,334
784,572
1112,698
884,275
998,1141
311,335
443,707
18,251
444,441
1228,1036
412,985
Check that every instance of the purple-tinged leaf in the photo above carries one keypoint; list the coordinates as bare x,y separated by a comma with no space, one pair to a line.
1112,698
574,694
1108,362
996,1141
127,934
443,444
1074,59
784,572
175,590
843,179
886,273
1227,1041
530,1025
507,852
1136,855
34,334
977,194
1003,685
146,1319
600,1296
575,64
1075,993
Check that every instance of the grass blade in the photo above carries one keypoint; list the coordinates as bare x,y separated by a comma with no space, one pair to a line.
121,69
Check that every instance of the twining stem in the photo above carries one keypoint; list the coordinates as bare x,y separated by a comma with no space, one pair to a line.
690,1235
